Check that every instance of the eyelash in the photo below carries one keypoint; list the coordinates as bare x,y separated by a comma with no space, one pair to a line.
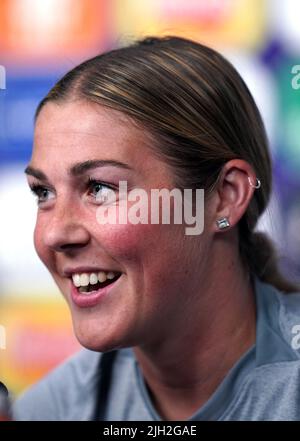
92,182
37,189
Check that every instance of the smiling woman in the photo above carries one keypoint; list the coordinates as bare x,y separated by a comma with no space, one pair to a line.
175,326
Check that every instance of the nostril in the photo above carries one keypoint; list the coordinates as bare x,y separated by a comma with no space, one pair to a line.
67,239
70,249
71,246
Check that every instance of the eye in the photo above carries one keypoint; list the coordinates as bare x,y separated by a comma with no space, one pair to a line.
101,192
43,194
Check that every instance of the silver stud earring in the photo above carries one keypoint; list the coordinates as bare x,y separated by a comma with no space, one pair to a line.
223,223
257,185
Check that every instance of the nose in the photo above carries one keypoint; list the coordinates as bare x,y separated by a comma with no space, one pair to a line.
64,229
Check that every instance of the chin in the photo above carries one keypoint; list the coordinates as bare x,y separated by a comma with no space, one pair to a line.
95,339
97,346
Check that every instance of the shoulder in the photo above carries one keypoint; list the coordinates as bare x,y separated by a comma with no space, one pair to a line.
289,319
278,322
268,393
60,394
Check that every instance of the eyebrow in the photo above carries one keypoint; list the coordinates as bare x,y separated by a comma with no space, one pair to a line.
79,168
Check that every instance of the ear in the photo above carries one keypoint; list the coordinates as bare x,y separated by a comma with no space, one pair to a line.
234,191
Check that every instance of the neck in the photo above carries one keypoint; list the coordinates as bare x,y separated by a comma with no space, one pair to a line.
188,365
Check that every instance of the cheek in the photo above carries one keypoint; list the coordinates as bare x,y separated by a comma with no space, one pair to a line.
40,248
152,250
125,242
129,241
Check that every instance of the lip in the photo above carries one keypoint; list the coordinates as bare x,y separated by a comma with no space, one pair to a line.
68,272
90,300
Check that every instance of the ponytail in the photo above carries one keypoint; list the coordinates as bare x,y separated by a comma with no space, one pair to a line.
262,259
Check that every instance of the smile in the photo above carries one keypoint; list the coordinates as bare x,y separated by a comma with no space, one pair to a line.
88,283
89,289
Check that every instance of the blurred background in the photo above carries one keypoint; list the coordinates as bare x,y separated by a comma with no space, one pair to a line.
39,42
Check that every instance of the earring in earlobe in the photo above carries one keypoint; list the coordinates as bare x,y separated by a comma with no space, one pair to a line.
223,223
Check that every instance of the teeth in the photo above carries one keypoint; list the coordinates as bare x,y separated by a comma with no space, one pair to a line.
85,279
93,279
83,290
102,276
76,279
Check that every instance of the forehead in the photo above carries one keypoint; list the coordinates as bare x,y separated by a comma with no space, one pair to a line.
84,129
77,131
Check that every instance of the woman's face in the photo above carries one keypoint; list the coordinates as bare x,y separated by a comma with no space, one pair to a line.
154,270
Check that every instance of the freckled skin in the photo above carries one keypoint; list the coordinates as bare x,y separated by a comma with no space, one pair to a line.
161,266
